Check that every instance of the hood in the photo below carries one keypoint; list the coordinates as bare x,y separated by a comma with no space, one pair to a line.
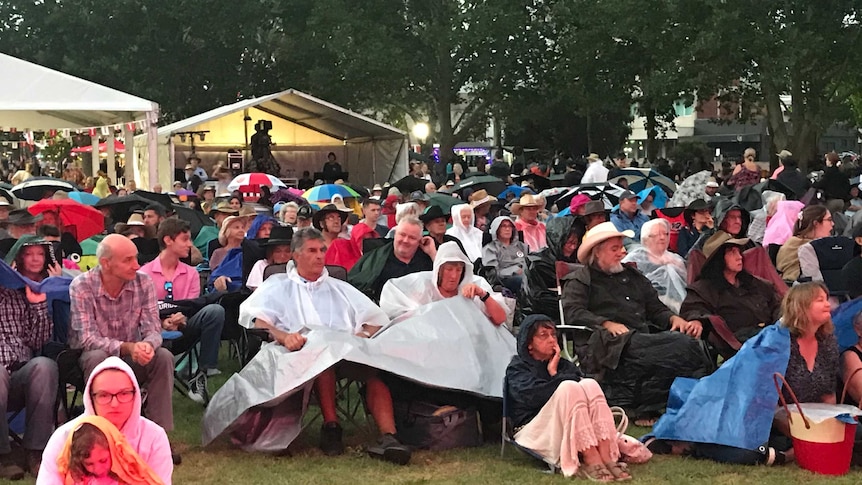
258,221
529,322
456,216
116,363
358,234
495,224
450,252
21,242
722,207
557,230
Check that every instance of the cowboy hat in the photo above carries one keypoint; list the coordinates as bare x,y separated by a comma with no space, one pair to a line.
593,207
247,211
225,208
376,188
526,200
279,236
720,242
135,219
450,183
716,241
480,197
695,206
598,234
22,217
784,154
320,215
431,213
593,157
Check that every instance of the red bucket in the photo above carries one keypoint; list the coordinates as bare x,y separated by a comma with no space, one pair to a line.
824,447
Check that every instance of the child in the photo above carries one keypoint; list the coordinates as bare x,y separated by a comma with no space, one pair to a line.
96,453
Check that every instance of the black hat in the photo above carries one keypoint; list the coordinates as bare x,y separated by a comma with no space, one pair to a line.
320,215
694,206
305,212
280,235
431,213
594,207
22,217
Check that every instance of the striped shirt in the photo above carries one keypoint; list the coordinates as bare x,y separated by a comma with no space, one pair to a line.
100,322
24,327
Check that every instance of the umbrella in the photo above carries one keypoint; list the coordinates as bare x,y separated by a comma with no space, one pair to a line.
85,198
195,218
119,147
254,178
642,178
287,195
551,195
362,191
86,220
491,184
410,184
691,189
604,191
540,183
513,189
186,193
6,193
444,202
164,199
34,188
326,191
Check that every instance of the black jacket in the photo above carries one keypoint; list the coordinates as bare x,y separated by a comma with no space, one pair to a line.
835,184
541,269
530,384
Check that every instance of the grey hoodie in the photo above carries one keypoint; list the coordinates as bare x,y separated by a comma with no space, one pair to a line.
507,260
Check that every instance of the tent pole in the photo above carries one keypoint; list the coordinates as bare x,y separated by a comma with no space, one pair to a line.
153,147
94,165
373,162
110,152
130,170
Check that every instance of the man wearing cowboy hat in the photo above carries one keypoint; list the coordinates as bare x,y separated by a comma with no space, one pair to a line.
435,221
527,209
377,191
628,216
19,223
697,218
596,171
481,203
329,221
594,214
623,309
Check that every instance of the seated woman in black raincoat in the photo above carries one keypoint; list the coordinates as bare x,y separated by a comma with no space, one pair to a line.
558,413
563,235
638,346
731,303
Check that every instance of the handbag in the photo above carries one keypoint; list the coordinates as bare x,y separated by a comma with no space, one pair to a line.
427,426
631,449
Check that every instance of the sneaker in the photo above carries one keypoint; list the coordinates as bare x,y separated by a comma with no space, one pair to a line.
9,469
176,458
330,439
198,388
388,448
213,372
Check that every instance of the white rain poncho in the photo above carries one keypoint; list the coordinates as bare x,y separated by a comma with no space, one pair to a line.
292,304
404,295
470,236
664,269
446,344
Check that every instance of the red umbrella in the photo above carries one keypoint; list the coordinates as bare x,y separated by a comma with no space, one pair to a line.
119,147
81,220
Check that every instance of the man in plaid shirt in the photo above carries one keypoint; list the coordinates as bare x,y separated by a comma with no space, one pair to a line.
25,381
114,313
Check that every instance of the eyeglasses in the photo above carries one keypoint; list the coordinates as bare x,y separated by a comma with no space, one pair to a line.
546,335
104,398
169,287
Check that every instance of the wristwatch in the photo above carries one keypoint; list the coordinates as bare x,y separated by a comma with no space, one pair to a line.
485,298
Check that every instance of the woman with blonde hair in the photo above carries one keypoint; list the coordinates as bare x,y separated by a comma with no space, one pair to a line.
745,173
813,222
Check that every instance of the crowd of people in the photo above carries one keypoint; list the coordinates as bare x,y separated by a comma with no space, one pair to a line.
648,297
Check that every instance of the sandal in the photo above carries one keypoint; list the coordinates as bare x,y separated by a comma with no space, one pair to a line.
646,422
596,473
619,470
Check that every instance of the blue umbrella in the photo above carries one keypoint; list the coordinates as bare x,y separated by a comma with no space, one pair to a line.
85,198
642,178
512,189
659,196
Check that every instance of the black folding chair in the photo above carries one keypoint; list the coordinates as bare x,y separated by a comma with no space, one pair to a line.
508,432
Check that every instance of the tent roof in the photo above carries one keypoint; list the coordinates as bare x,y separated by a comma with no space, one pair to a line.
37,98
304,110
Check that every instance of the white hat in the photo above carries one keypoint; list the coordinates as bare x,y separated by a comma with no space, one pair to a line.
450,183
712,183
135,220
376,188
784,154
601,232
4,202
593,157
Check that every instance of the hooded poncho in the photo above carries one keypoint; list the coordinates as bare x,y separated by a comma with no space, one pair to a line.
470,236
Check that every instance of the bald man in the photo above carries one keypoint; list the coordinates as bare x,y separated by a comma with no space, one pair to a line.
114,312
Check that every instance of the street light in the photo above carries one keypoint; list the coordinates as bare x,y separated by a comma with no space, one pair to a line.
421,131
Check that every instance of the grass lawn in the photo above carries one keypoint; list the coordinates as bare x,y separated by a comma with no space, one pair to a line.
220,463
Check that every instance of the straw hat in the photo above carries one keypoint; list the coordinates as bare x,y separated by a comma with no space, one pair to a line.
784,154
593,157
222,233
718,244
526,200
602,232
247,211
480,197
376,188
136,219
224,206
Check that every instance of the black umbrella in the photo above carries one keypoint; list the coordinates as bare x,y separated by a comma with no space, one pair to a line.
359,189
122,206
34,188
195,218
410,184
6,192
491,184
604,191
164,199
539,183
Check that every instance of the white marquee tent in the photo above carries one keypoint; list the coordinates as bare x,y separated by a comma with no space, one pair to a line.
34,97
304,129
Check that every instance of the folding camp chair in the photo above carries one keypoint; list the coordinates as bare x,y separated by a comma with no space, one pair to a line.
562,270
832,254
508,432
186,359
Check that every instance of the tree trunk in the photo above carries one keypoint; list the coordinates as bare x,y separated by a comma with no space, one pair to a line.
652,134
589,131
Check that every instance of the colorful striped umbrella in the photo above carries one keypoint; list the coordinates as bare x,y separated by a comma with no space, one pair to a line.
326,191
